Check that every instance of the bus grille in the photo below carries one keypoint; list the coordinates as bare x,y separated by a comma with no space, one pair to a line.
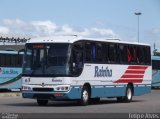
43,89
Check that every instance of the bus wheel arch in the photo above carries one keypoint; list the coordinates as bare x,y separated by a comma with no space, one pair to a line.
132,87
129,92
85,94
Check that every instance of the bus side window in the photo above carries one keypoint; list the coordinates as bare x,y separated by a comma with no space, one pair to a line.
155,64
147,56
93,53
20,58
112,53
122,54
106,53
2,60
140,54
8,60
13,60
99,53
136,59
88,52
129,55
132,54
77,59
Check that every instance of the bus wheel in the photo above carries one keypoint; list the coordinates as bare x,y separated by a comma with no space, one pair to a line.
42,102
85,95
129,94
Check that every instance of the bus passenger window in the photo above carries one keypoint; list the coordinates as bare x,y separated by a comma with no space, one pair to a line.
88,52
131,55
2,60
136,59
122,54
77,59
93,53
155,64
99,53
140,54
20,59
147,55
106,53
8,60
112,53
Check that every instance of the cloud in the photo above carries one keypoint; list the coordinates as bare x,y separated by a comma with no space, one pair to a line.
17,27
153,37
4,30
44,27
104,32
67,29
155,32
14,23
40,28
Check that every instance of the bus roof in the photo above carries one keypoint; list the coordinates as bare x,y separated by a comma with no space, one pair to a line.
155,58
74,38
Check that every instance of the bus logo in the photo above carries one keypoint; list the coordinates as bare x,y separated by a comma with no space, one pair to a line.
102,72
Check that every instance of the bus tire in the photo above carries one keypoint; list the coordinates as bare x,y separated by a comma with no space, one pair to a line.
129,94
42,102
85,96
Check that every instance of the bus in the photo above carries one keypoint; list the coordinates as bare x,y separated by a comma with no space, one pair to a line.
85,69
10,63
155,71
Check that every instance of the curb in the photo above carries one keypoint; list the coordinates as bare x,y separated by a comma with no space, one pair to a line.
10,94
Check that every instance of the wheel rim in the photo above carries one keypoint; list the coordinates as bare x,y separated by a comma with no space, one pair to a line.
129,94
85,96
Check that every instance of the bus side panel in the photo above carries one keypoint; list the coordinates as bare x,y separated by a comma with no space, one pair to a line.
155,78
108,91
10,78
14,85
141,90
75,93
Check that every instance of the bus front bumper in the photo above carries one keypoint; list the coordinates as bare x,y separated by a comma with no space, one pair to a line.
73,93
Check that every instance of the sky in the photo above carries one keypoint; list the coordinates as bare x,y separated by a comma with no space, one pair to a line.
87,18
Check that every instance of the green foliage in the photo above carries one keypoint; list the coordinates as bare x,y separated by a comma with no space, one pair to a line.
156,53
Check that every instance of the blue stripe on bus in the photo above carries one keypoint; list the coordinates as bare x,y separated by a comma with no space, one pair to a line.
104,91
10,77
8,52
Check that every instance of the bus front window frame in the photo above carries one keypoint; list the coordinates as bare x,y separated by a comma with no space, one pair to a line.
47,71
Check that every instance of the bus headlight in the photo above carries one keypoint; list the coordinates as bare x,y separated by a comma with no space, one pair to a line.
26,88
62,88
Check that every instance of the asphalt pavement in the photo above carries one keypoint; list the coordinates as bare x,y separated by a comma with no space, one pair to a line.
149,103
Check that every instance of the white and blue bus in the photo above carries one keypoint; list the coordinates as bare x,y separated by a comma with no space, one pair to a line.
85,69
11,63
155,71
10,69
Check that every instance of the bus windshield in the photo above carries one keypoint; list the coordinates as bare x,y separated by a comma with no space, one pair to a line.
46,59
